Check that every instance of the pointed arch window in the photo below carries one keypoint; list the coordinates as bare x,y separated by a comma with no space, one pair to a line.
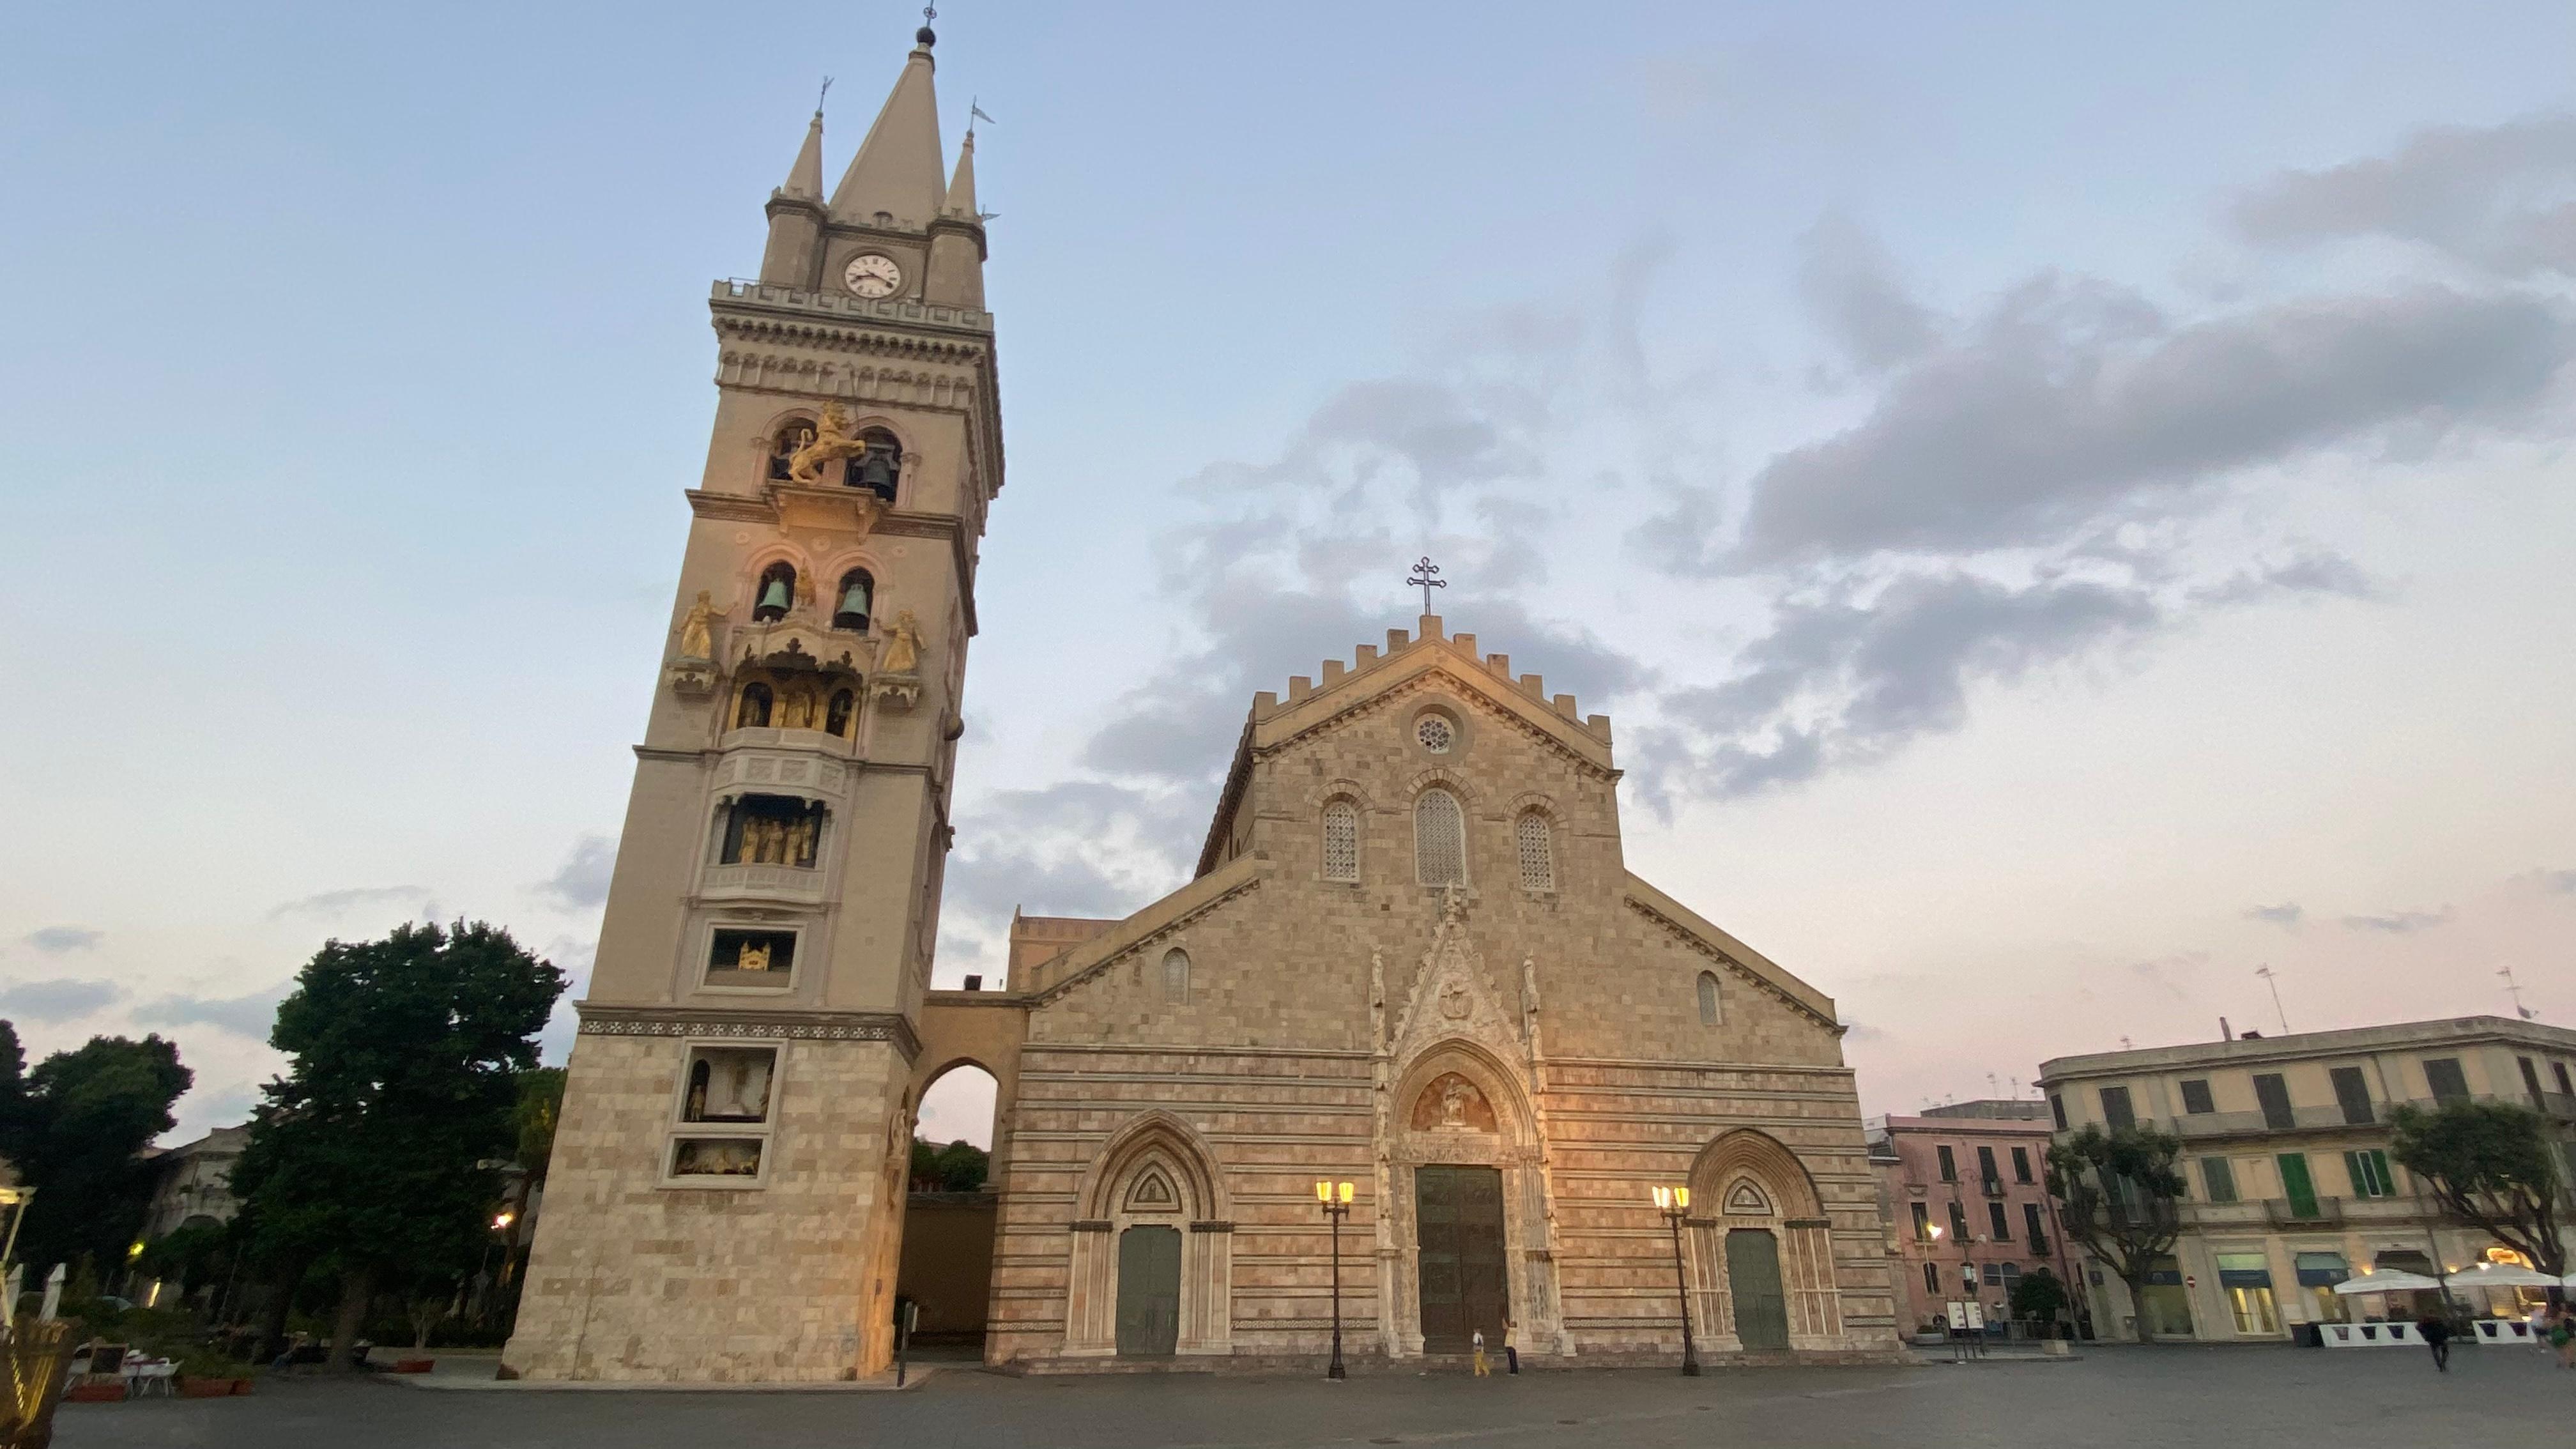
1176,976
776,593
1537,850
753,712
858,597
1439,839
1341,841
1711,1010
791,435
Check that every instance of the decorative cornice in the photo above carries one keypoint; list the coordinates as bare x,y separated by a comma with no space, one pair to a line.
885,1026
1691,940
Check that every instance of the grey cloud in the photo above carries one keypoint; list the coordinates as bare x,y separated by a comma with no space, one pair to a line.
1840,680
2502,197
2288,913
56,940
341,902
2561,881
250,1015
2399,923
1850,285
2073,402
61,999
583,880
2313,572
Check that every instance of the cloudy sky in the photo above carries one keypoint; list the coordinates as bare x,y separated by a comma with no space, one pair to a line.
2065,508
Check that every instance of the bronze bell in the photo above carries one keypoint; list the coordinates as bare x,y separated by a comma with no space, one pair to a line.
853,613
773,599
876,472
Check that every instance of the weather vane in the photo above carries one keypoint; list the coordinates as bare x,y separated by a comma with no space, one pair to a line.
825,96
1426,578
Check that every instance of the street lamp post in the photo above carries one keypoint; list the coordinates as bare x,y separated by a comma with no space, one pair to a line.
1336,1198
1674,1203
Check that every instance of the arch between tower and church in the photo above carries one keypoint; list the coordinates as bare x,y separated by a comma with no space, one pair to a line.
1462,1189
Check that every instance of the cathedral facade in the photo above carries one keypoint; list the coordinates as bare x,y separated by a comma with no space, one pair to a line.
1411,959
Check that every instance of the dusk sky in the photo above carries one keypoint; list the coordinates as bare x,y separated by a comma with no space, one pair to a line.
2064,508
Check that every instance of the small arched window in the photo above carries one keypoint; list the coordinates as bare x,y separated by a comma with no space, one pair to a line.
1439,839
836,719
1176,976
880,467
1341,841
753,712
776,594
782,448
1537,851
1710,1012
858,600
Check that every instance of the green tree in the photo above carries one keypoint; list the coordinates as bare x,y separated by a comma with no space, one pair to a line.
960,1166
540,1104
2492,1166
2118,1194
81,1128
2038,1295
191,1255
368,1157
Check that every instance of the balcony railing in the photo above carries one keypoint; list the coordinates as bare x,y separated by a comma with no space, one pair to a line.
2244,1124
1992,1187
2282,1213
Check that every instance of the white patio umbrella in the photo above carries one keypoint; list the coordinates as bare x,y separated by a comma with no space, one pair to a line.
2389,1280
2502,1275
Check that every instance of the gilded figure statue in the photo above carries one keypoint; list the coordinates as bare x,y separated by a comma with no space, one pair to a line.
697,636
754,956
800,843
832,442
902,654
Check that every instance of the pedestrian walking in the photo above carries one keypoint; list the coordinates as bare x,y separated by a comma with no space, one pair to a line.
2437,1336
1476,1341
1511,1346
2562,1335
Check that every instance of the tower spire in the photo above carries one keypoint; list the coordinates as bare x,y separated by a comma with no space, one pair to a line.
897,170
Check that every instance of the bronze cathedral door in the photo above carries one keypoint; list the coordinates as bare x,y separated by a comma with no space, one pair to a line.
1149,1292
1458,1217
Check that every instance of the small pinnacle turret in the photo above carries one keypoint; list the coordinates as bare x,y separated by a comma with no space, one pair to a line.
805,178
961,185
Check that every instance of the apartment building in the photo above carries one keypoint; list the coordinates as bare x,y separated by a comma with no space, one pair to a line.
1964,1192
2290,1185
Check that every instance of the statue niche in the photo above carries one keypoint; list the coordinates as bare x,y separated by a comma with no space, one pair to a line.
1451,1103
772,830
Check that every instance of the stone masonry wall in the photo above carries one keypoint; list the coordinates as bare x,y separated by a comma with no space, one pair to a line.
791,1281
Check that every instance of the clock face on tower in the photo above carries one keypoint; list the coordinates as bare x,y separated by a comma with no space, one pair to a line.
871,274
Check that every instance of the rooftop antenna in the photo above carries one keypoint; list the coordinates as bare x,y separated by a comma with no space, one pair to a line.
2124,1044
2265,971
2514,990
1426,577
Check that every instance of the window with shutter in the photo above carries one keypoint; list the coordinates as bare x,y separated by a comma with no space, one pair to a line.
1439,839
1341,841
2195,1096
1537,852
2444,1077
2116,1110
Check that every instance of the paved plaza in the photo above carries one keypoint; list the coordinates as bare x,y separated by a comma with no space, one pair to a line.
2279,1398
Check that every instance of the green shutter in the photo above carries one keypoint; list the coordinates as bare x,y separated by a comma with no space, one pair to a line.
2296,1185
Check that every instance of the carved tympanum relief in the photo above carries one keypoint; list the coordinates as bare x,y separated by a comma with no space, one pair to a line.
1453,1104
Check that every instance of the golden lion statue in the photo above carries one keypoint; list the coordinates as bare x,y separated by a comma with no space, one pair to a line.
832,442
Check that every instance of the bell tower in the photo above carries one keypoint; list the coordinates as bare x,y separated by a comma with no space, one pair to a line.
726,1195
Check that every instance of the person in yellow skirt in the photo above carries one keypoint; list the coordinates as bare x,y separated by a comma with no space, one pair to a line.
1477,1342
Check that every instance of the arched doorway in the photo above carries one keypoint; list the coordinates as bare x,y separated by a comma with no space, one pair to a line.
951,1209
1464,1206
1761,1249
1151,1267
